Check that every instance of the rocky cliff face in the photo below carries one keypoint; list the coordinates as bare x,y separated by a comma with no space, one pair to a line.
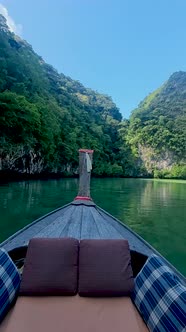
151,160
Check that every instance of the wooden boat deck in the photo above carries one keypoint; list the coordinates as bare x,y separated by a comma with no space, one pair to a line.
81,220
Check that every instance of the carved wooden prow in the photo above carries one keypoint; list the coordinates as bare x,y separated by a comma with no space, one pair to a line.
85,166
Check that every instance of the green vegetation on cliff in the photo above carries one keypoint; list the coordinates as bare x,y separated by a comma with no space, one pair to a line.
157,130
45,117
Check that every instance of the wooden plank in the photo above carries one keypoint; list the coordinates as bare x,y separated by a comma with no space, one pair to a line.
89,229
103,231
56,227
109,230
72,228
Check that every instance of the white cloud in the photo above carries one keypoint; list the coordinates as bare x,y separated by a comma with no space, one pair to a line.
14,27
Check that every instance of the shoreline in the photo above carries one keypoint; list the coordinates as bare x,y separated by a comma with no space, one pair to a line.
6,177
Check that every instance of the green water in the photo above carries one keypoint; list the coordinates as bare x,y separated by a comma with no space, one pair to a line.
155,209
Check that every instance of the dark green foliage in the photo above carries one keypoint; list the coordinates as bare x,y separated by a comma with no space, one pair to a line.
160,120
20,120
176,172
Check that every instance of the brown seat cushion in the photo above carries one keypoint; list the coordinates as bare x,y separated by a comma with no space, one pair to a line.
73,313
51,267
105,268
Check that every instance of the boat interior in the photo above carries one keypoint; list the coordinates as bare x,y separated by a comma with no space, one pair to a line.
51,308
89,285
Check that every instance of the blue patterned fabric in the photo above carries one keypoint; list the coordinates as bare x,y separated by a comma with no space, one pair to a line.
160,297
9,282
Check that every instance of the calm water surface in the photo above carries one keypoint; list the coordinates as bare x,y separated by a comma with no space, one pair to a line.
155,209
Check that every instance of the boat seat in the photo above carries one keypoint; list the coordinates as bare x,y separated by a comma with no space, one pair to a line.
73,313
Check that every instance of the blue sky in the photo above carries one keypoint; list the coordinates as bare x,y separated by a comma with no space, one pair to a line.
124,48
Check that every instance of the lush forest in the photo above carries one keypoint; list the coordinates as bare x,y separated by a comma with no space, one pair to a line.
45,117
